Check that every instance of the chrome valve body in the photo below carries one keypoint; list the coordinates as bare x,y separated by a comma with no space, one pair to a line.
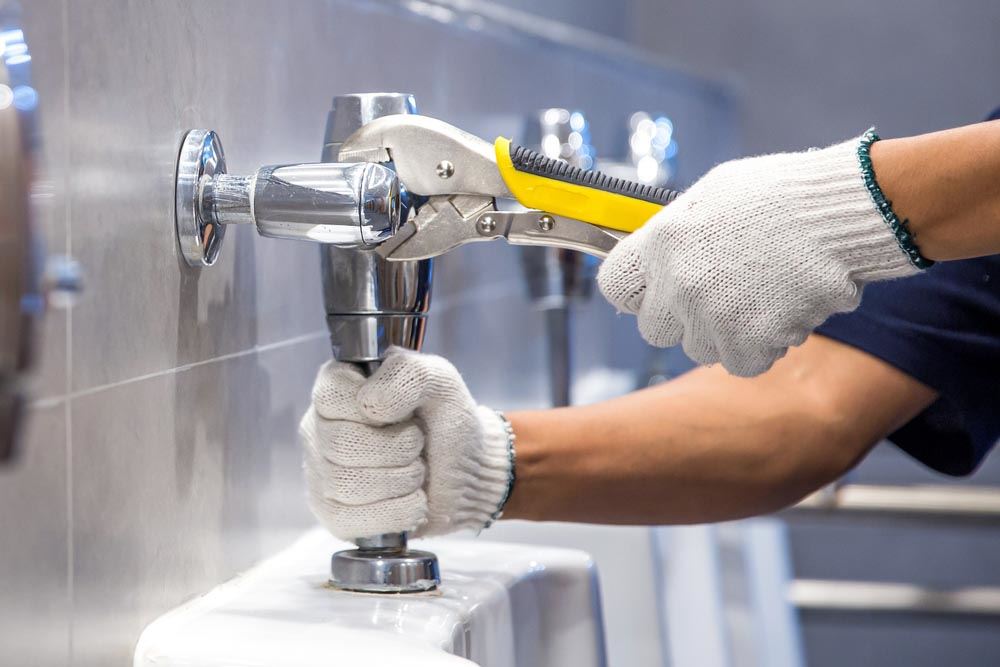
371,305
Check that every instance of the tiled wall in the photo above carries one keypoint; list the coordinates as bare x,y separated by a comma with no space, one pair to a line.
161,454
813,73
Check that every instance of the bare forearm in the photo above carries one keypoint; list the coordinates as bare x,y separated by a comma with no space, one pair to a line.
656,457
947,184
708,446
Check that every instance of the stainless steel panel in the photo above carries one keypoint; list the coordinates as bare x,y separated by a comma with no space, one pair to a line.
126,136
34,525
174,498
120,201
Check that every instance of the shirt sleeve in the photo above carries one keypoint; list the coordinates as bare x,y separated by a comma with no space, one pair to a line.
942,328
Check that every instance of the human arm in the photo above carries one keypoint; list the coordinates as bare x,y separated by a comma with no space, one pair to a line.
947,184
709,446
408,449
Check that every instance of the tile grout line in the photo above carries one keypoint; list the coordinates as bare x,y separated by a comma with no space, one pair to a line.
68,421
256,349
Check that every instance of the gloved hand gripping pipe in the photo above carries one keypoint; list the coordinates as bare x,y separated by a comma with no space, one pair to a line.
373,304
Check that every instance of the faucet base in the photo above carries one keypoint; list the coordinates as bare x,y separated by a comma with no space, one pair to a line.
201,158
384,571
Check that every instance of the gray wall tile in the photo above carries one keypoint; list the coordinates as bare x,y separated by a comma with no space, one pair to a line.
136,91
180,481
34,528
873,640
818,72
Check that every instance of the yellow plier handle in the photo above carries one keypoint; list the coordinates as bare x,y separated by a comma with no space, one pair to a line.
553,186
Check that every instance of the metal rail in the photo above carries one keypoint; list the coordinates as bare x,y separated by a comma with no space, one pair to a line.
915,500
866,596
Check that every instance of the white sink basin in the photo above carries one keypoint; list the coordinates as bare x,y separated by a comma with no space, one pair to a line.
499,605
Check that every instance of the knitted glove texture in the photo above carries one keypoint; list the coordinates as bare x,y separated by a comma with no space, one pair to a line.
754,256
407,449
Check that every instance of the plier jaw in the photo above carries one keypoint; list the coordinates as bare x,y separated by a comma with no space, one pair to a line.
430,156
444,223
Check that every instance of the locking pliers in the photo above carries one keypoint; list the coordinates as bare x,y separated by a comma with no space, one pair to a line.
477,191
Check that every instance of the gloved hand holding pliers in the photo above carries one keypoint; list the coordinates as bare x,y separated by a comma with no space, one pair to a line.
739,268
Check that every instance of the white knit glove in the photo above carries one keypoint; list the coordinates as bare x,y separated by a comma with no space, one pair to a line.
754,256
407,449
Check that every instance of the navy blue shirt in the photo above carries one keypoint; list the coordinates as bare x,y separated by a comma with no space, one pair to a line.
942,328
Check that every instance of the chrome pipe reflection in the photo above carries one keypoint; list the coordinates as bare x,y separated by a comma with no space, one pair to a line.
373,304
558,278
21,257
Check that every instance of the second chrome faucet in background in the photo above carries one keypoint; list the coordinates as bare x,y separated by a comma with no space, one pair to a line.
557,278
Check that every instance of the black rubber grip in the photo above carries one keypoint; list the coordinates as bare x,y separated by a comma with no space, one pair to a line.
532,162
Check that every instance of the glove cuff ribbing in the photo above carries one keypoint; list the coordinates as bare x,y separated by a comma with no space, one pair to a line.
483,499
846,214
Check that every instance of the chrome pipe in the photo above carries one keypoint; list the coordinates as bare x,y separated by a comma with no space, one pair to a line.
355,205
227,199
557,331
371,305
342,204
557,278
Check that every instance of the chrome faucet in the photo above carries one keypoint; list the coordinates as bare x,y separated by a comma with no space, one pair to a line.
371,303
